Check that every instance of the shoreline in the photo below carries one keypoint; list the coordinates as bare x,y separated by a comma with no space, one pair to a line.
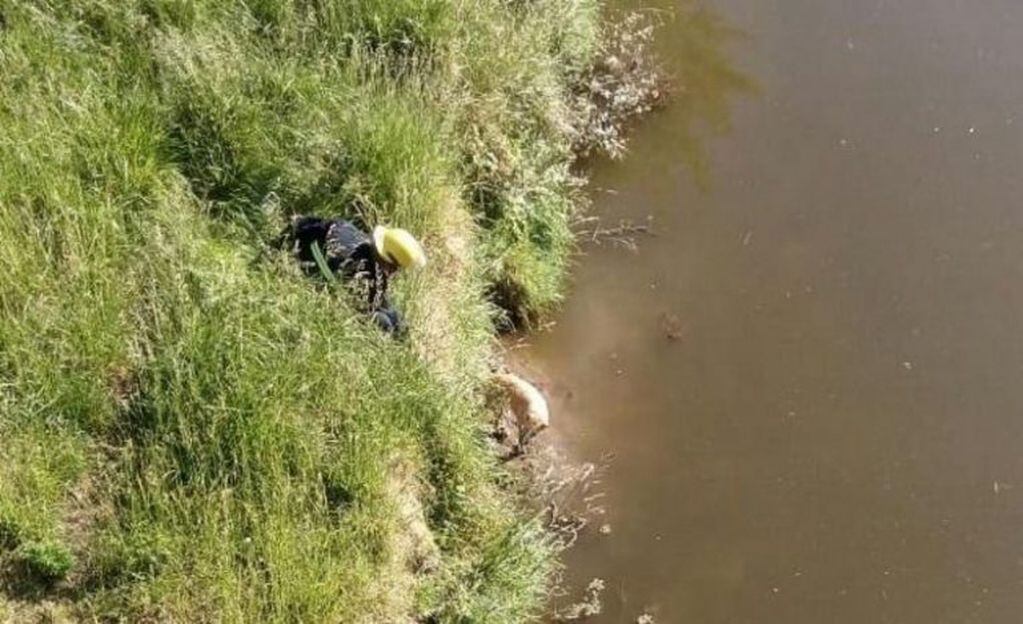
212,437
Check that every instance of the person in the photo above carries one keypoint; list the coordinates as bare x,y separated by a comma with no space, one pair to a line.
364,261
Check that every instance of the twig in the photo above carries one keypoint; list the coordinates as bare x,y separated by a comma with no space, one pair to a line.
624,234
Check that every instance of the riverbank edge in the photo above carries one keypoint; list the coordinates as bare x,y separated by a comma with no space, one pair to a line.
211,437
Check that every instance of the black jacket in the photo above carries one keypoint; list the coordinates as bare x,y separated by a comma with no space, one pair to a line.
348,251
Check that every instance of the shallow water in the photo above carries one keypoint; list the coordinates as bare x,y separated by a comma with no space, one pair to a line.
833,430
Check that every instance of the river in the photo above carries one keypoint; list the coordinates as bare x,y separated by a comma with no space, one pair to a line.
809,377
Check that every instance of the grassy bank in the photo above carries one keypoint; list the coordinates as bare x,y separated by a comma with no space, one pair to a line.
189,429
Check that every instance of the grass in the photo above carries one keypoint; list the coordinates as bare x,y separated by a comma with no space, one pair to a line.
190,430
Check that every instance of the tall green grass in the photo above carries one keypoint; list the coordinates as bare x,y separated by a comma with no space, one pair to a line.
192,431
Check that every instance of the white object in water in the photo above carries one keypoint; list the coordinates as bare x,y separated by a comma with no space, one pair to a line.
527,403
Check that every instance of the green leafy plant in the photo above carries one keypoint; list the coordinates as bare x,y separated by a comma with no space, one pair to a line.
48,561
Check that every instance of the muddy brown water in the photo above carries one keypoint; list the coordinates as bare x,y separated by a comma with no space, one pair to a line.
833,433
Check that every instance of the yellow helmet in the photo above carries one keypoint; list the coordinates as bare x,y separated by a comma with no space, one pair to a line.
399,247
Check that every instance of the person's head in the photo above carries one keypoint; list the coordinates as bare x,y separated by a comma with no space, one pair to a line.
397,248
